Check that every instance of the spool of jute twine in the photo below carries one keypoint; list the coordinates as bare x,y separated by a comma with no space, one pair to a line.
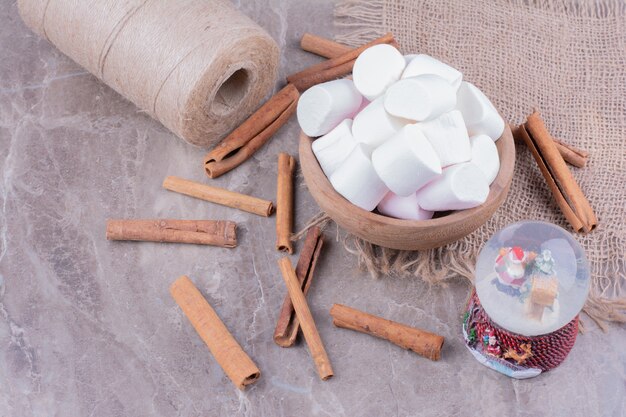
200,67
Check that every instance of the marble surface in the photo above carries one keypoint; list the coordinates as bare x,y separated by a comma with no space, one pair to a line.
88,328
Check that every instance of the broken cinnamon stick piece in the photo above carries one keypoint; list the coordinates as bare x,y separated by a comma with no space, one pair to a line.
309,330
284,202
322,46
201,232
334,67
288,324
564,187
419,341
219,196
253,133
236,364
573,156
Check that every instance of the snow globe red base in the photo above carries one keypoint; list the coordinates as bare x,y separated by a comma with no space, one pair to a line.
532,280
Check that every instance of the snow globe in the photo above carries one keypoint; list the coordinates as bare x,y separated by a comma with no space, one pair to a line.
532,280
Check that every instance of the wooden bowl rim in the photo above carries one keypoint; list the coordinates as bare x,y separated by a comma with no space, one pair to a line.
506,152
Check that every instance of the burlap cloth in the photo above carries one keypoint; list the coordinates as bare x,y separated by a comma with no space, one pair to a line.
567,59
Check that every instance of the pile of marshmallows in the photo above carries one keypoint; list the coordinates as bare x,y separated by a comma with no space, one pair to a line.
406,135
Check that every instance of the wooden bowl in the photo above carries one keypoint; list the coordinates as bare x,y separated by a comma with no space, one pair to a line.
406,234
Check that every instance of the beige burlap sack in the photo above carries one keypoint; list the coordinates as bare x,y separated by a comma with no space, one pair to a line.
566,58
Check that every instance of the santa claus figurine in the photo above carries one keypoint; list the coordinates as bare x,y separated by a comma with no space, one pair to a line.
511,265
493,347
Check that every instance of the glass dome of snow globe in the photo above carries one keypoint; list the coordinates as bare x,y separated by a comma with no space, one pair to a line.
532,278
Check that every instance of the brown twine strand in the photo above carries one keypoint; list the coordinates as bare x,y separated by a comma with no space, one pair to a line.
320,220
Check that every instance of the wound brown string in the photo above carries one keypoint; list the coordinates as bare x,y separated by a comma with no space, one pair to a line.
200,67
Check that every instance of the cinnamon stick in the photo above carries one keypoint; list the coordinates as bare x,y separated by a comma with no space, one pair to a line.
219,196
564,187
333,68
311,336
284,202
572,155
322,46
201,232
563,204
253,133
236,364
327,48
288,324
566,182
419,341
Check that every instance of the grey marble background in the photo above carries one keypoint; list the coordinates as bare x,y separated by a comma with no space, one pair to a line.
87,326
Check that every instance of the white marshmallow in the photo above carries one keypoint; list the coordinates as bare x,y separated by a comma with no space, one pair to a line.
357,181
324,106
407,161
448,135
460,187
373,125
425,64
364,104
376,69
480,115
409,57
420,98
485,156
334,147
406,208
